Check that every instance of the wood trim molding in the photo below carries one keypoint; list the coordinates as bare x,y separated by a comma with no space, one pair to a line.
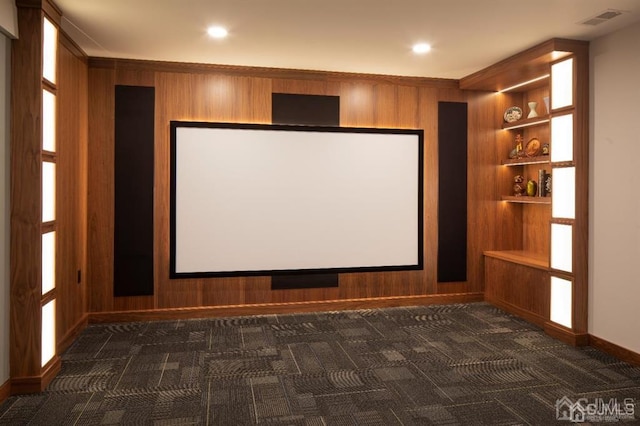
71,46
529,316
281,308
49,7
5,391
566,335
617,351
265,72
36,384
67,340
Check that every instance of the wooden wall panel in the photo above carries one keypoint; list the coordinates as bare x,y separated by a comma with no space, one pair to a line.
25,193
100,187
481,177
71,191
174,93
228,96
427,111
305,87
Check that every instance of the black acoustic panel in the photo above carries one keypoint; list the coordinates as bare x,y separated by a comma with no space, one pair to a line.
134,170
283,282
452,191
314,110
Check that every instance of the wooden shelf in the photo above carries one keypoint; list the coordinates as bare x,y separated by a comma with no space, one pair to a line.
521,257
541,159
527,122
524,199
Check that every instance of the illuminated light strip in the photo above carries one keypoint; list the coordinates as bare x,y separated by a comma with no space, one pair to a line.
524,84
519,126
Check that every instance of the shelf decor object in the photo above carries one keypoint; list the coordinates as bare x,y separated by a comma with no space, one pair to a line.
512,114
532,109
546,104
532,149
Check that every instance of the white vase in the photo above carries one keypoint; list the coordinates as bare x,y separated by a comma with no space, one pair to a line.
532,109
546,103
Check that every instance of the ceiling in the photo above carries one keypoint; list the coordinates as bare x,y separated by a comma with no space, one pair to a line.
362,36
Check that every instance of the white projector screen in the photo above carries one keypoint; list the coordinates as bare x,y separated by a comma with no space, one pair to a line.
249,199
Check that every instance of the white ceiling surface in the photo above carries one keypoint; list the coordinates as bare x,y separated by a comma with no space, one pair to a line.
362,36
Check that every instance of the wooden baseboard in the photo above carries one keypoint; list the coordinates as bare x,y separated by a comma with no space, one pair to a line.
5,391
529,316
619,352
35,384
281,308
72,334
566,335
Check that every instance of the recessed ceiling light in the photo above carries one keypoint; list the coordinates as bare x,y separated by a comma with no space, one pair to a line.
217,32
421,48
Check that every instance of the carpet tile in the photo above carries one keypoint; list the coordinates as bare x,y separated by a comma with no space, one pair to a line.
459,364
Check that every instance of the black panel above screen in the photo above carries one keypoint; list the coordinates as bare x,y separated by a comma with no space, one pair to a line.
452,191
134,171
314,110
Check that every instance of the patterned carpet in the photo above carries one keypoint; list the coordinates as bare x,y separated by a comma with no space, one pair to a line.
463,364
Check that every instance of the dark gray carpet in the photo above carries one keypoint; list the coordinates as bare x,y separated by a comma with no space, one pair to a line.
463,364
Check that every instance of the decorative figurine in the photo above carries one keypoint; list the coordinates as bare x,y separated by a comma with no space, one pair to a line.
545,149
519,148
518,185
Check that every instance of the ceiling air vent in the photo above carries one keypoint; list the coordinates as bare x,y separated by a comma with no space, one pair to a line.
602,17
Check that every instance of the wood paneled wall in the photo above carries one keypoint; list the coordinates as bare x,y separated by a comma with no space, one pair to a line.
71,187
230,94
71,91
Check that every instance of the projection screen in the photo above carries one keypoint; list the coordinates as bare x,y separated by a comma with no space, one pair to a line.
252,199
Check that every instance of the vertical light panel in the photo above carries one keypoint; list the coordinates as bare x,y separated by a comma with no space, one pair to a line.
562,84
48,191
561,301
564,193
562,138
49,50
48,332
48,121
48,261
562,247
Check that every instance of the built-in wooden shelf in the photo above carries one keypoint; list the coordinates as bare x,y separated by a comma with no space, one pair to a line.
524,199
521,257
541,159
527,122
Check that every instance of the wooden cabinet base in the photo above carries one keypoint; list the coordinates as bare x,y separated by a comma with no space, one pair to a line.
35,384
521,290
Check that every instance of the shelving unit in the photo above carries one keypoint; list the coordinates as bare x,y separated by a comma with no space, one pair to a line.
537,266
540,159
526,122
525,199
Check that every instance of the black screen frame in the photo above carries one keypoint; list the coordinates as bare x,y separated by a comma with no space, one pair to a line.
175,124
